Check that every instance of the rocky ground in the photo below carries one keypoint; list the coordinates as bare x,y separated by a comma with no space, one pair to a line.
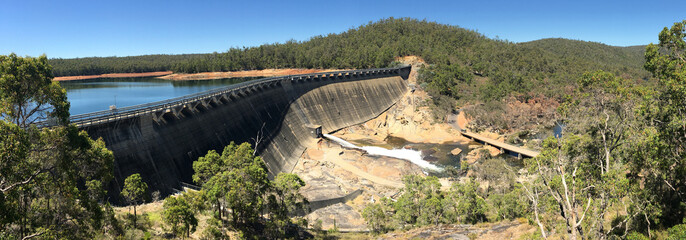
495,231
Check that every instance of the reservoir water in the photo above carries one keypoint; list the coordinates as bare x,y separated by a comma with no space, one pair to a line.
99,94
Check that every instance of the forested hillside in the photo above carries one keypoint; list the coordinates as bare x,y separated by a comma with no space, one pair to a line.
375,45
464,64
624,59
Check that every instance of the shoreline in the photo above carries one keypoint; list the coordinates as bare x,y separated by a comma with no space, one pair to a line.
169,75
112,75
242,74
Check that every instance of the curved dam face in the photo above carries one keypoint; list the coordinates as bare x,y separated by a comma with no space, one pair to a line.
163,147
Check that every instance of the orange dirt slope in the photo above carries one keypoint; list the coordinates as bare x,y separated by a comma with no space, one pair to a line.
113,75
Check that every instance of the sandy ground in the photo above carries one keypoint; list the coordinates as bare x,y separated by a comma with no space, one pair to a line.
159,228
240,74
113,75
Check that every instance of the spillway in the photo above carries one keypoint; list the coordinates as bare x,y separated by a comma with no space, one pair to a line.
410,155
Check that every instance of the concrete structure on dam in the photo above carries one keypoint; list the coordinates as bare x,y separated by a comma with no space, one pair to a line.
161,140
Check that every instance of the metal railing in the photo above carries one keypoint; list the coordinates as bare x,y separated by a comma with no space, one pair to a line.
136,110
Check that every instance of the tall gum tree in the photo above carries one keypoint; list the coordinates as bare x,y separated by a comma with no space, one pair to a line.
660,153
48,176
583,171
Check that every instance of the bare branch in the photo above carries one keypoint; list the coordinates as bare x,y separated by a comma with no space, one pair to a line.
588,205
33,235
673,189
258,138
16,184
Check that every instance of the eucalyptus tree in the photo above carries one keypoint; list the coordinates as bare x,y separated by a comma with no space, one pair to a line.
28,93
43,171
179,214
583,172
659,153
284,202
133,192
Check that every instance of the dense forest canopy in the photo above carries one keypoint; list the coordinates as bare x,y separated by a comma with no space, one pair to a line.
132,64
376,44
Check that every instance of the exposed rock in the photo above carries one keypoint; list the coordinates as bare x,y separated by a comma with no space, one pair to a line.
497,231
345,217
456,151
493,151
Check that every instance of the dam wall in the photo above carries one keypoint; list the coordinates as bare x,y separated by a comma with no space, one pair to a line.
161,144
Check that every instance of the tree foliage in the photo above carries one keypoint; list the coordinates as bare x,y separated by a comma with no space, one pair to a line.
236,184
379,216
659,151
284,201
51,178
28,93
133,192
423,203
582,172
179,214
466,203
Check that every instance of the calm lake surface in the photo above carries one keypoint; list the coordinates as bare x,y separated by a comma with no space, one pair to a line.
99,94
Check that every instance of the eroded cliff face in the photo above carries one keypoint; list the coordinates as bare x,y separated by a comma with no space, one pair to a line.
276,119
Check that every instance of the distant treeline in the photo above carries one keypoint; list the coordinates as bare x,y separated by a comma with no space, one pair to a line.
133,64
456,54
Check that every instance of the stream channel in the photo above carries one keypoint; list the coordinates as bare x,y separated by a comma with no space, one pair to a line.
430,156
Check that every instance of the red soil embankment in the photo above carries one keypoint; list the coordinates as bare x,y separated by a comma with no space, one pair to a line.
169,75
240,74
113,75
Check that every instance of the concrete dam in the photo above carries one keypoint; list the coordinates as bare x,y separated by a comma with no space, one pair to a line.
161,140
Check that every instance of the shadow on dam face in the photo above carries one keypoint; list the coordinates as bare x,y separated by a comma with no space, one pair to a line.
163,151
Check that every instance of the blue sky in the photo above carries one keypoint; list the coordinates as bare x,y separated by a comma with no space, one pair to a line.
70,29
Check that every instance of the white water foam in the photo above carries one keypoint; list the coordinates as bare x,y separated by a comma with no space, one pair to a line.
413,156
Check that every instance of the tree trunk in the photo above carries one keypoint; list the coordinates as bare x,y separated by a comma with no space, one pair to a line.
538,221
134,216
219,209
